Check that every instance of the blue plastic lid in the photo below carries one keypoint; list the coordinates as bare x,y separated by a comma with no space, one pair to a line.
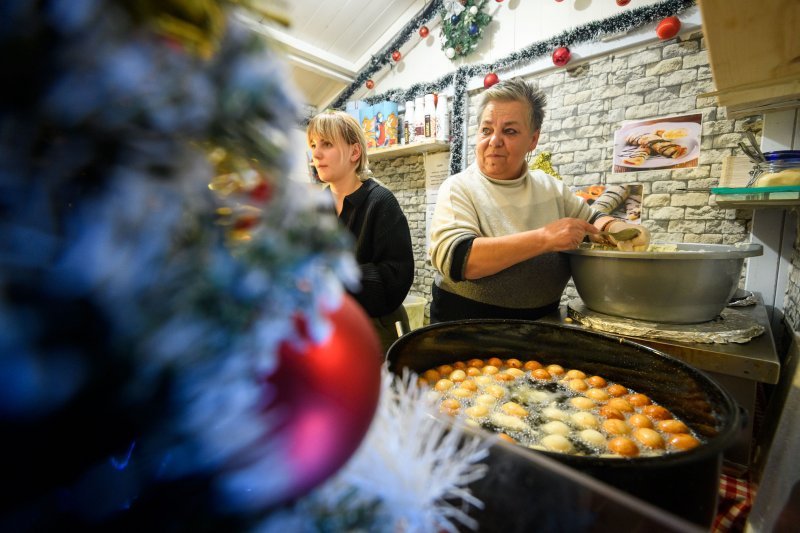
782,155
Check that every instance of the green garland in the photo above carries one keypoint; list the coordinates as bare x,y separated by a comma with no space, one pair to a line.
463,22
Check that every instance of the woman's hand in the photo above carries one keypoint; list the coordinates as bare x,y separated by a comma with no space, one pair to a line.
567,233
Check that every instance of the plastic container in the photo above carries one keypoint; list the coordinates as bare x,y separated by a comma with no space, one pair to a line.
409,122
429,117
415,309
442,120
419,119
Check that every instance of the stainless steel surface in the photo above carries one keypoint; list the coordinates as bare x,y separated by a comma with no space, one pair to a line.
738,368
689,285
732,325
776,471
756,360
754,144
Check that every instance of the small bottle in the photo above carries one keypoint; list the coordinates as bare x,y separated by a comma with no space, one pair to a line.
442,120
430,117
419,119
401,129
409,122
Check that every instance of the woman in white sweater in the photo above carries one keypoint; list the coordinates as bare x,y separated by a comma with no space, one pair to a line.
498,227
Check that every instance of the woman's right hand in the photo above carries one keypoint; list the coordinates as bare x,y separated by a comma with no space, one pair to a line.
566,233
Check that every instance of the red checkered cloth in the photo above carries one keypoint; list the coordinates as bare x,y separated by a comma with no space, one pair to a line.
735,500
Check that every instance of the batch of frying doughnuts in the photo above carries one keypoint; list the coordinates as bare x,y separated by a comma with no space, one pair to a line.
550,408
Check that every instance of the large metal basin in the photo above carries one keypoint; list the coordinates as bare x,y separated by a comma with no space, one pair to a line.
690,285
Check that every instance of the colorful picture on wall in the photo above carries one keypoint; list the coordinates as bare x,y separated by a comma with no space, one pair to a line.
622,201
667,142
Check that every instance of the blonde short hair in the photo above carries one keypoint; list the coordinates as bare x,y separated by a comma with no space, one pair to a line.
517,90
340,128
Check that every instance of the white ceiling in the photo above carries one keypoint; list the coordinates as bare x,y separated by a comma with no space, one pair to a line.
329,42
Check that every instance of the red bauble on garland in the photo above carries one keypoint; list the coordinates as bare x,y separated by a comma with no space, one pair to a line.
489,80
323,398
668,28
396,55
622,3
561,56
424,31
370,84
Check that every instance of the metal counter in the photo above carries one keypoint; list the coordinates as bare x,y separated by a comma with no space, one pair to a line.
738,368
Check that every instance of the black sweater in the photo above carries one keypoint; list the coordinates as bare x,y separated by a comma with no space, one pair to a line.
382,247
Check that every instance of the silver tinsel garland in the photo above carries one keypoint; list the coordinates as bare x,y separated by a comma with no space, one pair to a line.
459,79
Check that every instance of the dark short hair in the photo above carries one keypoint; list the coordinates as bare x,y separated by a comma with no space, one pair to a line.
517,90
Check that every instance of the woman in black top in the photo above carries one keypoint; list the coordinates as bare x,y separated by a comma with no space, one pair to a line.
371,213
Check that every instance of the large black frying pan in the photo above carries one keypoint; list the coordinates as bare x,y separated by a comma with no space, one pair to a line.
684,484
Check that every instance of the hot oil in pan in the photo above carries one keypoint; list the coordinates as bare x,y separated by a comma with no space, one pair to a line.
557,410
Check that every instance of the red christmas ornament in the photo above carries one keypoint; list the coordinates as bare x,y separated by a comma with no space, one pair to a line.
668,28
370,84
323,398
561,56
261,192
490,80
621,3
424,31
396,56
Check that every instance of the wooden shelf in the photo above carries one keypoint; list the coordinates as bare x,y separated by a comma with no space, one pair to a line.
753,50
379,154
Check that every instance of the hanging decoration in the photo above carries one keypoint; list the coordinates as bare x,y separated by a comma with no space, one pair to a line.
324,396
541,161
561,56
458,79
424,31
623,3
668,28
490,79
411,474
462,26
396,56
370,84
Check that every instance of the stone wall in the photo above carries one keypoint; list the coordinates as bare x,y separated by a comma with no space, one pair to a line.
791,305
586,104
405,177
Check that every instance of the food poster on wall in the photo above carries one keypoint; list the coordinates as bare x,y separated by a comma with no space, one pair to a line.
621,201
437,168
658,143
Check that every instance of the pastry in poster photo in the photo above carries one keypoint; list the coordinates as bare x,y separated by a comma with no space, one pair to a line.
658,143
622,201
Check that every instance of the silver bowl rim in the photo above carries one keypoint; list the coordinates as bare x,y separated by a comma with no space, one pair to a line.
685,251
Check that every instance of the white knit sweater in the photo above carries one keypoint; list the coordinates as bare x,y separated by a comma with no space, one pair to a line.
470,204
